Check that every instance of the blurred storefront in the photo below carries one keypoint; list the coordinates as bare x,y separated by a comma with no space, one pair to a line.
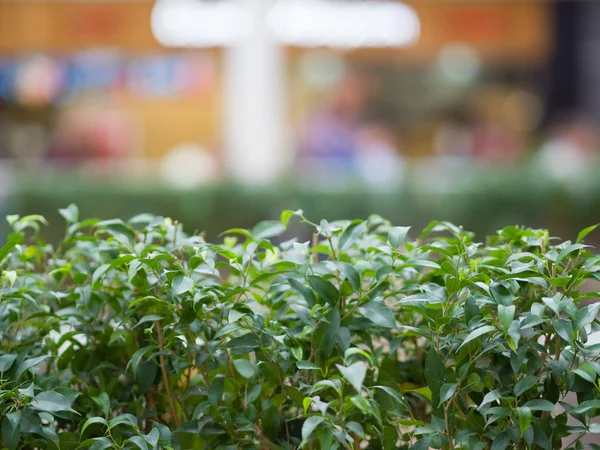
81,80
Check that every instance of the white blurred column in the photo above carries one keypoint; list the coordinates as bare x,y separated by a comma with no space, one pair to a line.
254,115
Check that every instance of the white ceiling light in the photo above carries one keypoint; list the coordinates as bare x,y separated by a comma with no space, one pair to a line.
199,23
344,24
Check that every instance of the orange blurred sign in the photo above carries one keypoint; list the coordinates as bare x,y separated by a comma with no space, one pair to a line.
521,30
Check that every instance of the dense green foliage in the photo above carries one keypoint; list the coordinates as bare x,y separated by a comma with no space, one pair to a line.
136,335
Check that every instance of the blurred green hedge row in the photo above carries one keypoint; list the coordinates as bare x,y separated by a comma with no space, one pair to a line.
482,201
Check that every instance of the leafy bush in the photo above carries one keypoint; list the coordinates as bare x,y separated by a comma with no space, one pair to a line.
135,335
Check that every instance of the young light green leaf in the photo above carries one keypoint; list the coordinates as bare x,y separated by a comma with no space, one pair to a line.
524,415
70,213
397,236
583,233
506,315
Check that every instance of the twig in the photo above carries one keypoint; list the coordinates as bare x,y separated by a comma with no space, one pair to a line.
165,375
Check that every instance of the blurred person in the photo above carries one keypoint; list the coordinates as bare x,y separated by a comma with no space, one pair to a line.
571,148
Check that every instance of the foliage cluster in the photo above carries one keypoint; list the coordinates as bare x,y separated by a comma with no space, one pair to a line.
135,335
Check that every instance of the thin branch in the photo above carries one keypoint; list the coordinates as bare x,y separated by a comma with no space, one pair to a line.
165,375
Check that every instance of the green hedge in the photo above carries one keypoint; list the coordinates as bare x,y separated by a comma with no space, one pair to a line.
134,335
482,201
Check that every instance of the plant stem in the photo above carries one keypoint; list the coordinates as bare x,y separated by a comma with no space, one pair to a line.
165,375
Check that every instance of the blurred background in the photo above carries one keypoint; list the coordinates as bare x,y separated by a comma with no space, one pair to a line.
222,113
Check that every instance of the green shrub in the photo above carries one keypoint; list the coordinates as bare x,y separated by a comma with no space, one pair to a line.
135,335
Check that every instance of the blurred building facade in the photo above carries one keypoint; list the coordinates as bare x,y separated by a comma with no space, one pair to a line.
101,81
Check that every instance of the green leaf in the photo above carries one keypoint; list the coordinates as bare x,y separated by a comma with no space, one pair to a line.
310,424
325,436
525,384
435,375
92,421
501,442
215,393
244,344
153,437
267,229
524,414
569,249
564,328
286,216
14,418
486,329
51,401
501,294
326,333
103,401
351,275
28,364
70,213
514,335
245,368
397,236
324,289
11,436
101,444
125,419
587,372
506,315
378,313
6,362
425,391
540,405
446,392
395,395
139,441
585,407
136,358
583,233
13,241
354,374
490,397
182,284
351,233
306,292
307,365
